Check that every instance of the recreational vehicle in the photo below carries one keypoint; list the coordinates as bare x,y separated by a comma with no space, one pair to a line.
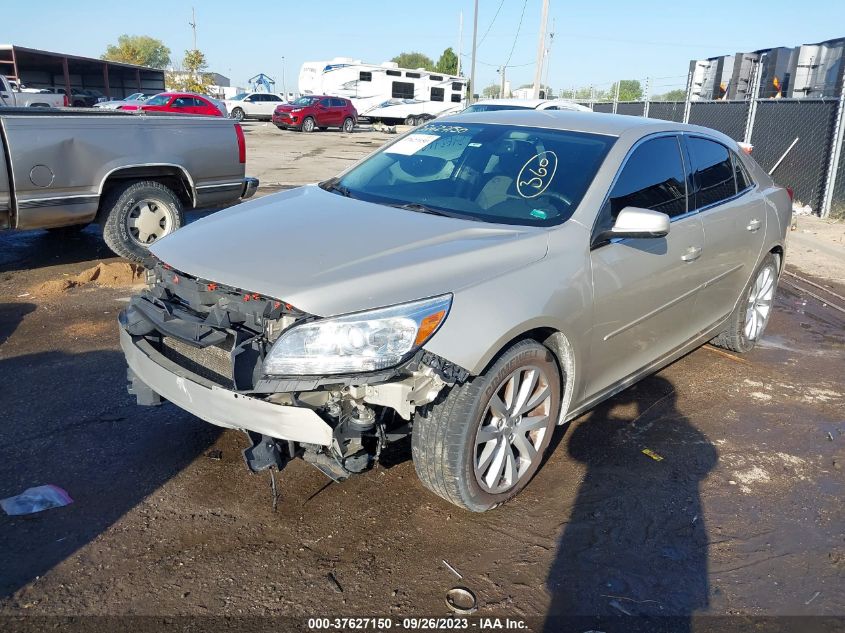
369,86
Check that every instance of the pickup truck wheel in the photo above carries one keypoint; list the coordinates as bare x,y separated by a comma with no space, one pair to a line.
348,125
748,321
308,124
238,114
481,444
136,215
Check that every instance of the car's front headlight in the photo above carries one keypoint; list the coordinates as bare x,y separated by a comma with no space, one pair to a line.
360,342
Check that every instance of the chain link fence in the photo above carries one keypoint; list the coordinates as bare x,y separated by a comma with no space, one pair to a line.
799,141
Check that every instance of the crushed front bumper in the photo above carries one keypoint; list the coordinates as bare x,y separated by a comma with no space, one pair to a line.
215,404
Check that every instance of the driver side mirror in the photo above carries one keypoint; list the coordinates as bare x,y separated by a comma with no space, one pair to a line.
637,223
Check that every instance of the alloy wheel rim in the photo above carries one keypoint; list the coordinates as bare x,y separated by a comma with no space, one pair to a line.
238,114
308,125
512,429
759,303
149,220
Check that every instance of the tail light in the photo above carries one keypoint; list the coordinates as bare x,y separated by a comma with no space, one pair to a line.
66,101
791,193
241,143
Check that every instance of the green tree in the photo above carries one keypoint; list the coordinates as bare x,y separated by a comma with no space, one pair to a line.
448,63
491,92
414,60
192,77
141,50
629,90
679,94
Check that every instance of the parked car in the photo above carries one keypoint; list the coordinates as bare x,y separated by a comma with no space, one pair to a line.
136,99
312,112
84,98
177,103
12,95
253,105
133,175
473,283
492,105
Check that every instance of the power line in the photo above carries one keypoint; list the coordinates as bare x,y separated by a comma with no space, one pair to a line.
516,37
492,22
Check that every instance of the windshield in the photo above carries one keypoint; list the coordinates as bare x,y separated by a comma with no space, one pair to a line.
491,173
238,97
493,107
158,100
304,101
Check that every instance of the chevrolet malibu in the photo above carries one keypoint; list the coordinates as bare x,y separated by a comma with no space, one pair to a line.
472,284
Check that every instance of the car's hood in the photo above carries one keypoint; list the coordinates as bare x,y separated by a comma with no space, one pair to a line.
286,107
327,254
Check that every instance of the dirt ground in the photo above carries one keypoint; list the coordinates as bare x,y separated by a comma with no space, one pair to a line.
742,516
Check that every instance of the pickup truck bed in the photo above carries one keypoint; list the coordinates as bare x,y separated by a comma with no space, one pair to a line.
62,168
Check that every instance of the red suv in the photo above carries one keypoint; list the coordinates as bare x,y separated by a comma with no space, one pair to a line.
314,111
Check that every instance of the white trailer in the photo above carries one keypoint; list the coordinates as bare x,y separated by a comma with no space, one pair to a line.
370,86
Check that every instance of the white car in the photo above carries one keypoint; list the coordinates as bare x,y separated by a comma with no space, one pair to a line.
136,98
491,105
253,105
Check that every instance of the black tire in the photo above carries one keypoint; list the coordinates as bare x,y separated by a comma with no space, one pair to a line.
443,441
348,125
734,336
308,124
281,127
410,120
238,114
114,216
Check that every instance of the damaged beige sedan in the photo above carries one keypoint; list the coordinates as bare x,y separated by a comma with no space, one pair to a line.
474,283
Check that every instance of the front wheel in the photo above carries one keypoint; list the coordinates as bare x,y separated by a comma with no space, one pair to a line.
748,321
481,445
238,114
348,125
308,125
136,215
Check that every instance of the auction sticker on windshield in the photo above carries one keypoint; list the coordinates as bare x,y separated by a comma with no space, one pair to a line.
411,144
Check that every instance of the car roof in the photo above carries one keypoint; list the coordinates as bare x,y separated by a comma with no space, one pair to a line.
525,103
589,122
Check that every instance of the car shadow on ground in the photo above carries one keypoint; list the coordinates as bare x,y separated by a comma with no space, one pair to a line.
87,436
636,541
27,250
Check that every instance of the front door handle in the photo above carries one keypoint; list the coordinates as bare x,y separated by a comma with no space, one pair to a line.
754,225
693,253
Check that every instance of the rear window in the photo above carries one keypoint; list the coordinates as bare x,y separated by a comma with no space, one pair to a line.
491,173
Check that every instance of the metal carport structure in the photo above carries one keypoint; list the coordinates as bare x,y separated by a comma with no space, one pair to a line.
44,69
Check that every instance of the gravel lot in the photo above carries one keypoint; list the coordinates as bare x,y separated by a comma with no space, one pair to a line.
743,515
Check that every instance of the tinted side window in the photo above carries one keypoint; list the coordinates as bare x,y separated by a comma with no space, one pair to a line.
393,73
437,94
456,98
272,98
457,85
403,90
713,173
652,178
743,180
365,75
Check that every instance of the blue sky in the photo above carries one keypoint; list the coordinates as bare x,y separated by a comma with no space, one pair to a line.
595,41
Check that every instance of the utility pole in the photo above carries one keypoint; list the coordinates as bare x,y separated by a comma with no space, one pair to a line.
502,94
549,59
460,40
541,46
284,85
193,25
472,86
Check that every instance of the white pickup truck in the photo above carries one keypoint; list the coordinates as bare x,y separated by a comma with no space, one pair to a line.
11,95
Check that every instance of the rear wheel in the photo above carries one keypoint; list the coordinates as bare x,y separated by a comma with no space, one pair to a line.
308,125
238,114
748,321
410,120
482,444
348,125
137,214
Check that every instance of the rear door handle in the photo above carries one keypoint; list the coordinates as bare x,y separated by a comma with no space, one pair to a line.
754,225
693,253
